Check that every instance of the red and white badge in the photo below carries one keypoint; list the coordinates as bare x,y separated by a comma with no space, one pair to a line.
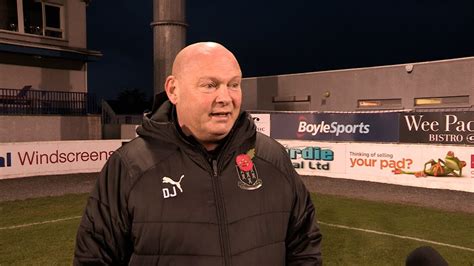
246,171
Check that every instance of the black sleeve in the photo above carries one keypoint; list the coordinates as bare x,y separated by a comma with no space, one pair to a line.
103,237
303,240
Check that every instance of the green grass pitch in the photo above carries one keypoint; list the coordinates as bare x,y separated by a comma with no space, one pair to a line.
52,243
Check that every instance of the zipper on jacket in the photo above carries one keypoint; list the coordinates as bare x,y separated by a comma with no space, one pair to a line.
221,215
214,168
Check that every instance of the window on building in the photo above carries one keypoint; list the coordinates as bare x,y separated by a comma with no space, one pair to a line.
449,100
52,15
32,17
380,103
8,15
292,102
297,98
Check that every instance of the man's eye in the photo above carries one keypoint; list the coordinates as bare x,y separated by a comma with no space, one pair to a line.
210,85
234,85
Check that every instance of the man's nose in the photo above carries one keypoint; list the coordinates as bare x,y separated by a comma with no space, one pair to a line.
223,95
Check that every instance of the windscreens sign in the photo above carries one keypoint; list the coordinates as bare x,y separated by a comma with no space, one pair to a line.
442,128
382,127
55,157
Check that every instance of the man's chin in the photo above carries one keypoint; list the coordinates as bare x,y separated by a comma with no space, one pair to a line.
219,135
219,129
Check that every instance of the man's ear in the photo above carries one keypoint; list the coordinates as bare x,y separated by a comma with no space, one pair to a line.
171,90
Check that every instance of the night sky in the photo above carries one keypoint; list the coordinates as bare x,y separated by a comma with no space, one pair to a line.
272,37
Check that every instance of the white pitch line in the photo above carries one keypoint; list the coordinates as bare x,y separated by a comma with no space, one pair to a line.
397,236
39,223
321,222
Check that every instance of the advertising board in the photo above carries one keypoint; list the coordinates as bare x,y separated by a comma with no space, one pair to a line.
437,127
24,159
428,166
262,122
378,127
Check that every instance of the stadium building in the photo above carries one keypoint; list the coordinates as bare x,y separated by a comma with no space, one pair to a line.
445,85
43,72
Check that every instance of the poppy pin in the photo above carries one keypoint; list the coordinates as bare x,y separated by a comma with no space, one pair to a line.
246,171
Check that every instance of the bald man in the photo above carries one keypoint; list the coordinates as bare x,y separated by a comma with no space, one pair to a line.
199,185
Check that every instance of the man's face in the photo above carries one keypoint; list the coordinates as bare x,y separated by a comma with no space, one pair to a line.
209,96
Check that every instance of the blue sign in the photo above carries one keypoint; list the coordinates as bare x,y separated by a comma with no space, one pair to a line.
371,127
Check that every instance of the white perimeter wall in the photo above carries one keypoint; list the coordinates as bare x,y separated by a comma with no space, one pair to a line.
359,161
375,161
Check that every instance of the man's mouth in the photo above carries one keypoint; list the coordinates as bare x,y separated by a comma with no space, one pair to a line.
221,114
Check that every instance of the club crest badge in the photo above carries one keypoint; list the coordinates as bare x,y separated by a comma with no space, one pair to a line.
246,171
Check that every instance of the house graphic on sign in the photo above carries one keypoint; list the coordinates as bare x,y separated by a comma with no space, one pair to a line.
6,161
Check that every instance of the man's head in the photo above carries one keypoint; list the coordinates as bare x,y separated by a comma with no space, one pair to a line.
205,88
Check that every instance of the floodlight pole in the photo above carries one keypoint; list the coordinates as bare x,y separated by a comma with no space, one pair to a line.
169,37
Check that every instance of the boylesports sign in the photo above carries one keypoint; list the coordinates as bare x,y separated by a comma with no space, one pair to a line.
381,127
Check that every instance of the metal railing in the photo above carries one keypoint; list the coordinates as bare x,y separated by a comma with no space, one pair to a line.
41,102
